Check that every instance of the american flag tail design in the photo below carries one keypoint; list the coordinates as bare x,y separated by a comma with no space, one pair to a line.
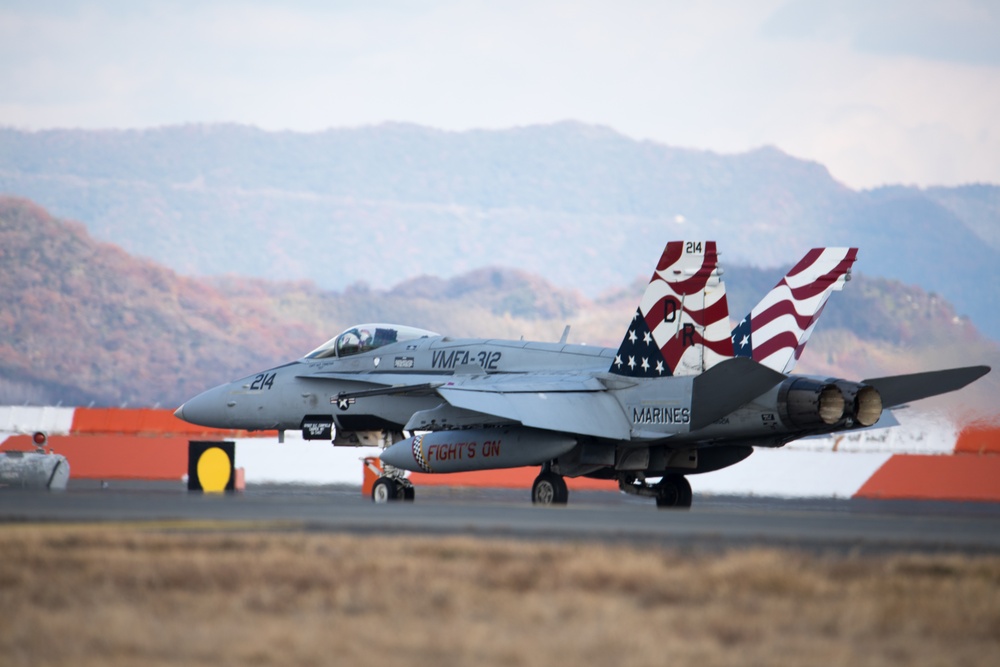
682,324
777,329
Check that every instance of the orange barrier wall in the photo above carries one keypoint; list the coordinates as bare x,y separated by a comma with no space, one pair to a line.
942,477
128,443
978,439
148,421
116,456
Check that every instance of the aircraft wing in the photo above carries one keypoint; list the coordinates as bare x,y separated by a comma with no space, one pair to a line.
576,404
594,413
580,403
899,389
569,403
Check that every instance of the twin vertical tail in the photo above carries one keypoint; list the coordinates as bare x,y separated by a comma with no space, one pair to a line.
777,329
682,324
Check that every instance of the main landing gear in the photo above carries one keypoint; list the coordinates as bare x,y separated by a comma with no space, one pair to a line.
674,491
549,489
671,492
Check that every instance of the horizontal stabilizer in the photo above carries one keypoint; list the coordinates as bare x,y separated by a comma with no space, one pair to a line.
727,386
899,389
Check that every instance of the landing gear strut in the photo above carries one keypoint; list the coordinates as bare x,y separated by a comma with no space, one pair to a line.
392,485
673,491
549,489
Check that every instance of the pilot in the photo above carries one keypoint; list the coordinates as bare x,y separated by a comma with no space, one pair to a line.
354,341
349,343
364,340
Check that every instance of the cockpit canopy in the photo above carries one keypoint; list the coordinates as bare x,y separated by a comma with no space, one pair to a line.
366,337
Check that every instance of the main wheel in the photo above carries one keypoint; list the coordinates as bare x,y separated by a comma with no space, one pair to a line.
409,493
384,490
674,491
549,489
687,495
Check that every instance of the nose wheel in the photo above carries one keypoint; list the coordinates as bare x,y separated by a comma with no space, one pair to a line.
388,489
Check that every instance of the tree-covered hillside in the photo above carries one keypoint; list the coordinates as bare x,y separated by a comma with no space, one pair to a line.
83,321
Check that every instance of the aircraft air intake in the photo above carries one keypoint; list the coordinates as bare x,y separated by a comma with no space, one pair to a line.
810,404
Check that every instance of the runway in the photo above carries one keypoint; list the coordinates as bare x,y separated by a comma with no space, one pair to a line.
714,522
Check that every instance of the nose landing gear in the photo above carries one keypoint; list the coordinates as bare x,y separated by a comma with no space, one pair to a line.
388,489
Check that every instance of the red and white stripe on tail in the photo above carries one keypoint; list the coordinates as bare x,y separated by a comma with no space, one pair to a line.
776,330
682,324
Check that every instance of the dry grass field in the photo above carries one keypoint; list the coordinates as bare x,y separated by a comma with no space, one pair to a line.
124,596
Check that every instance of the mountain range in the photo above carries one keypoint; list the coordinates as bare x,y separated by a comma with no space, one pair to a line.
582,207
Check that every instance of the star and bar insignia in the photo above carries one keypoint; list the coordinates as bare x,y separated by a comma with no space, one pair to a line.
341,402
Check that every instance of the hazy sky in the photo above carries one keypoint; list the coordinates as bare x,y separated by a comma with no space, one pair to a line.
900,91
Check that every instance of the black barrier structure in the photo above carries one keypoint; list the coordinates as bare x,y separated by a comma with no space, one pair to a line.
211,466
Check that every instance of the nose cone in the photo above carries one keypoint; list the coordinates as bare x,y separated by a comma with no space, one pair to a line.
401,456
208,408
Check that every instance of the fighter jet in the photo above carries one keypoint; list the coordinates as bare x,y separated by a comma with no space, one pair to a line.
682,395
